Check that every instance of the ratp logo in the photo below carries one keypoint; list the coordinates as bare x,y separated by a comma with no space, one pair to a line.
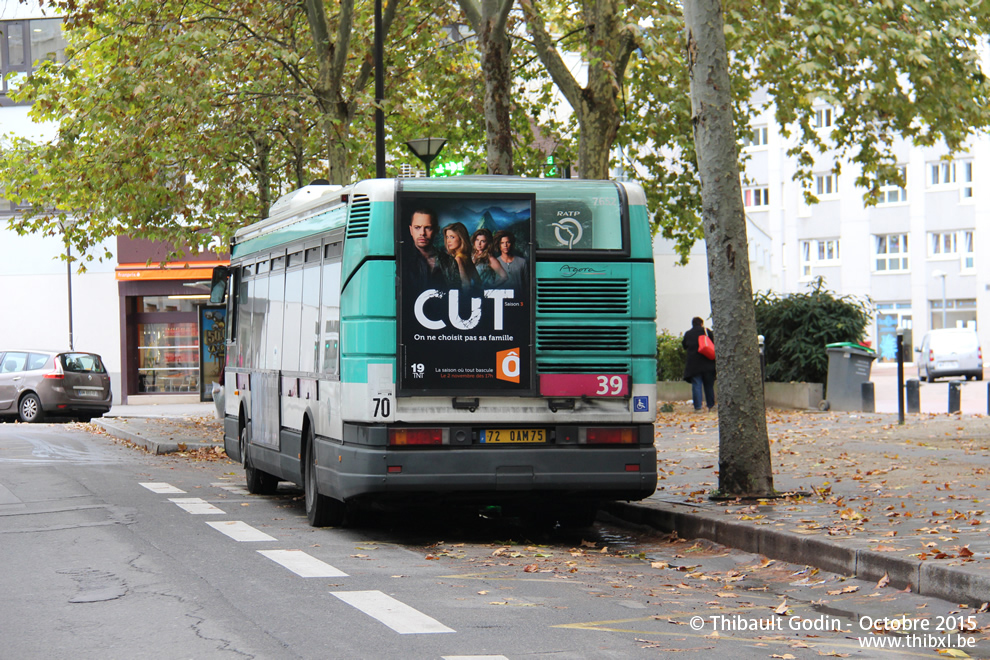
508,365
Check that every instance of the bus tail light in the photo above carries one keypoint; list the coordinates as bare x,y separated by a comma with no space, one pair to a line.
611,436
406,437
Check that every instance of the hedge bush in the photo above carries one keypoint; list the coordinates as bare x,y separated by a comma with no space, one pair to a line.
670,356
797,327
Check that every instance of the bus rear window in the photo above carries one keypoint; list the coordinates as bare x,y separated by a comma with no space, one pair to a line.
589,218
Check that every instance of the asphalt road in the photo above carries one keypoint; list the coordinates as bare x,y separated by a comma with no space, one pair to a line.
108,552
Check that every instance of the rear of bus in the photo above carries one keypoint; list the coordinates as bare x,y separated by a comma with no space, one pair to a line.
534,387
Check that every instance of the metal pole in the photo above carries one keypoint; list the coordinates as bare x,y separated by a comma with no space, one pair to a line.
900,376
379,93
68,283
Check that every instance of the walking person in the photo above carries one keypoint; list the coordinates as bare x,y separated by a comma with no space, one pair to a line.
699,370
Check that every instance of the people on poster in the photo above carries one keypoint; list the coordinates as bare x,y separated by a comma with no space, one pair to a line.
461,310
459,268
485,259
513,264
425,265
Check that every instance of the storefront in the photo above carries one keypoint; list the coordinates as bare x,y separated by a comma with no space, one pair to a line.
171,338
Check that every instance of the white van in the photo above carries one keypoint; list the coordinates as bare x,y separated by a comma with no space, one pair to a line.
950,352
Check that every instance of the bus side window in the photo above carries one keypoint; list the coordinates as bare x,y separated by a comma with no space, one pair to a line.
330,319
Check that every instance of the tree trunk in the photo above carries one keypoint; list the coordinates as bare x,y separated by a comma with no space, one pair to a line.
495,66
263,172
599,122
610,45
488,20
744,446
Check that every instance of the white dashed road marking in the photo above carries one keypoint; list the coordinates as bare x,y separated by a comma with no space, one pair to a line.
240,531
162,488
474,657
195,505
396,615
302,564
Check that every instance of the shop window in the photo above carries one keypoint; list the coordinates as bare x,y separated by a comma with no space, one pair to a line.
168,357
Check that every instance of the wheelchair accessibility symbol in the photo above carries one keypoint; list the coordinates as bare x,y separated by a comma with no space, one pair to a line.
641,404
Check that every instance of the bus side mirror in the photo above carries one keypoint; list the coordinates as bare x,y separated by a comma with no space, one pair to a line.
218,286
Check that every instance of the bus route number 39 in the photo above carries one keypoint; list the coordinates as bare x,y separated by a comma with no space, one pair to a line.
610,385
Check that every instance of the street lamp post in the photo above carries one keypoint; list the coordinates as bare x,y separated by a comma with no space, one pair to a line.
937,274
68,276
426,149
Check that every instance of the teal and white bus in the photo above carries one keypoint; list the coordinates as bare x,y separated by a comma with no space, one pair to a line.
476,340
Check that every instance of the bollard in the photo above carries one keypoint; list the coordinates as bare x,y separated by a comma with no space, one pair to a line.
869,397
955,391
913,395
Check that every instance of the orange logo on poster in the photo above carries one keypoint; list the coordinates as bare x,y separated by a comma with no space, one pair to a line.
507,365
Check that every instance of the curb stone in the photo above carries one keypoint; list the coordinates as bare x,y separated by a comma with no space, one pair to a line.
156,447
949,583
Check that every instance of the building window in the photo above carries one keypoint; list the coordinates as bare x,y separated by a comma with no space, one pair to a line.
966,190
942,244
826,184
806,259
820,252
8,208
941,173
758,138
24,45
756,196
828,251
823,118
953,245
968,254
893,193
891,252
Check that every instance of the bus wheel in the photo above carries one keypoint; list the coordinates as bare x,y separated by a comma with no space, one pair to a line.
322,511
258,482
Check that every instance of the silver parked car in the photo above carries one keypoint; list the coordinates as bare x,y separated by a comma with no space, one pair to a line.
36,384
950,352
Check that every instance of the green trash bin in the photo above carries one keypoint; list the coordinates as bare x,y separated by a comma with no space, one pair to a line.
848,368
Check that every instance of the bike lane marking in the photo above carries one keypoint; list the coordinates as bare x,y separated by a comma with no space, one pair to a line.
393,613
196,506
162,488
240,531
302,564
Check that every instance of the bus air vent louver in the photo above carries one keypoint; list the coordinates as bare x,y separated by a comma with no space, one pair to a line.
582,338
360,217
595,297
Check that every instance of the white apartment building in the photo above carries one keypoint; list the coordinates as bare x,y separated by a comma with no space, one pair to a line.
915,254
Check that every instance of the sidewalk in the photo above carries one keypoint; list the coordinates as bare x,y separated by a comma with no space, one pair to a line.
905,502
165,428
883,499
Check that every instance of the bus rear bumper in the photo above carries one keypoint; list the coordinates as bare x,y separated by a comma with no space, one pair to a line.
589,472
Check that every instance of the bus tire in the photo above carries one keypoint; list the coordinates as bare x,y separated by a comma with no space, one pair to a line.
258,482
321,510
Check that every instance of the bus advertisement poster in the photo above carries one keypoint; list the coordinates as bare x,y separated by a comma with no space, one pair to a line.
465,294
